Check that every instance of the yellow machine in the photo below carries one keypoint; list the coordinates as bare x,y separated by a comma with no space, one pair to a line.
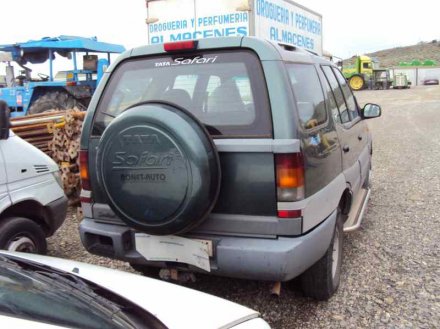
359,73
365,73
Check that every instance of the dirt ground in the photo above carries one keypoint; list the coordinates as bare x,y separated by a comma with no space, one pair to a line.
391,271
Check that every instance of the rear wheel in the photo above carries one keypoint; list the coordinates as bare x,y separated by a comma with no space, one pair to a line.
54,100
322,279
357,82
23,235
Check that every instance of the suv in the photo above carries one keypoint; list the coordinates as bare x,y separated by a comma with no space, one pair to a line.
234,156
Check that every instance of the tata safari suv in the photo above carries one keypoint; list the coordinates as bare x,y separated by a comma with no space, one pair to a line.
234,156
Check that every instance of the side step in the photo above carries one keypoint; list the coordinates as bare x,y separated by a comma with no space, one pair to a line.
360,204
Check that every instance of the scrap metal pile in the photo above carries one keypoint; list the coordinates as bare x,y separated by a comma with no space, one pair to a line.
57,134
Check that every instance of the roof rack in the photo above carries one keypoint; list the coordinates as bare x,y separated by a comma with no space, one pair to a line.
287,46
312,52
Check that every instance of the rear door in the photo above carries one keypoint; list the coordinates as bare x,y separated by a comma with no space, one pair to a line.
320,141
349,127
358,126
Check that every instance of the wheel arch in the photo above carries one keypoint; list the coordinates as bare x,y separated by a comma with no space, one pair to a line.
345,202
30,209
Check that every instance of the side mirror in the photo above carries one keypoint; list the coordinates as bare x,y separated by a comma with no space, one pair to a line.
371,111
4,120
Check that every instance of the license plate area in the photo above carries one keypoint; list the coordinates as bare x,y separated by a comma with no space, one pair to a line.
170,248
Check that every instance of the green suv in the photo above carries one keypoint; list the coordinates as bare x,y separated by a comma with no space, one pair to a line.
232,156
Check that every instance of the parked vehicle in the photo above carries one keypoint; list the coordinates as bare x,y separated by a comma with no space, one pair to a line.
431,82
365,73
46,292
64,90
401,81
238,156
32,201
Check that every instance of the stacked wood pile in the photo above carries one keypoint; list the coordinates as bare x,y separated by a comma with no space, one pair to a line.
38,129
57,134
65,151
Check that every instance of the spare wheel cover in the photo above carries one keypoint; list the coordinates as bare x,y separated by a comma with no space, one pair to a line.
158,168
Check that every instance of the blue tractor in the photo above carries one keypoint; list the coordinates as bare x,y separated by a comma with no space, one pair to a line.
26,94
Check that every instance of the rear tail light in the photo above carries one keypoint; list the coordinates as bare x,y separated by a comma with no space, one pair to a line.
84,169
290,181
290,177
180,46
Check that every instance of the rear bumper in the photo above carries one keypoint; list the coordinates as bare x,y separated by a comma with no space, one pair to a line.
278,259
55,214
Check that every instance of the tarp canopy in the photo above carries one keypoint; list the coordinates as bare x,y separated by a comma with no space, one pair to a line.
37,51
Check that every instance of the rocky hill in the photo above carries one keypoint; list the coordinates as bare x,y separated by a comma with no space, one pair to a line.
392,57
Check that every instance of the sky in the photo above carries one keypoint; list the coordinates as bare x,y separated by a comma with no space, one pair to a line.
349,27
355,27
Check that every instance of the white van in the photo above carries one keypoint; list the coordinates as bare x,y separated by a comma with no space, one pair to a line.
32,201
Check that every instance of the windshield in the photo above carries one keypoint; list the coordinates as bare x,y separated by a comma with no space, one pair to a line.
225,90
44,296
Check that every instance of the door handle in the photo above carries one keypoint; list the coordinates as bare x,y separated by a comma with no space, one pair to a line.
360,137
346,148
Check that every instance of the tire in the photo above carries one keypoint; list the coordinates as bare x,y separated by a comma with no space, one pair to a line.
54,100
166,164
22,234
356,82
322,279
146,270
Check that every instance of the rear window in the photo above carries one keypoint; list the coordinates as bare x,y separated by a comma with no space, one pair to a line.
225,90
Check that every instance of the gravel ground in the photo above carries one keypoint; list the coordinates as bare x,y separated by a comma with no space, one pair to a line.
391,271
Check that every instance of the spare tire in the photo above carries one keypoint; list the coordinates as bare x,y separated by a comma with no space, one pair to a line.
158,168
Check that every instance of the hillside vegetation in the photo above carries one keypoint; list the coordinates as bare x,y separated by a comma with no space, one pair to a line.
392,57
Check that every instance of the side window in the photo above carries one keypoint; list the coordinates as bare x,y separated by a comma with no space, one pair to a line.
309,95
337,92
348,94
366,65
330,98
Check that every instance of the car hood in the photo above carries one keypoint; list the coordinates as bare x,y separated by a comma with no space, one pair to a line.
175,306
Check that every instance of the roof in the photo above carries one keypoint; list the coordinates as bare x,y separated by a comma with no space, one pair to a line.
36,51
65,43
